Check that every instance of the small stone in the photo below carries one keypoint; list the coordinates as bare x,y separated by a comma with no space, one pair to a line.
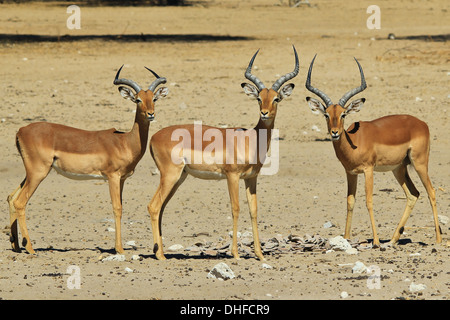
129,270
351,251
221,271
136,257
416,287
339,243
359,267
344,294
266,266
328,224
116,257
175,247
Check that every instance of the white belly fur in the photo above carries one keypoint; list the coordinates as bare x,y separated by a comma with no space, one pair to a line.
77,176
207,175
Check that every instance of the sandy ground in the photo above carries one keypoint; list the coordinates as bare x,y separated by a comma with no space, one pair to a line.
203,50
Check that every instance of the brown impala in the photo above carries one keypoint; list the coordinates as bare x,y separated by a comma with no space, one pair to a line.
227,160
389,143
78,154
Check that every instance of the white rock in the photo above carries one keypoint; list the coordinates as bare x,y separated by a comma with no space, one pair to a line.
109,229
116,257
443,219
339,243
328,224
136,257
344,294
175,247
418,99
221,271
266,266
131,243
359,267
129,269
351,251
416,287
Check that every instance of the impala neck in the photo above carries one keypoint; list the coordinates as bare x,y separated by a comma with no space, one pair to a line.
267,125
139,133
344,146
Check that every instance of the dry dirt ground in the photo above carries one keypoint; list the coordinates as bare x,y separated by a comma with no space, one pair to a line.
52,73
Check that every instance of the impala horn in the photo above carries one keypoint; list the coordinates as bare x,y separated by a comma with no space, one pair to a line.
252,78
355,91
316,91
276,86
157,82
127,82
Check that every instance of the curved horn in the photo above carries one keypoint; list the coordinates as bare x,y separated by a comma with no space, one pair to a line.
355,91
322,95
157,82
287,76
252,78
127,82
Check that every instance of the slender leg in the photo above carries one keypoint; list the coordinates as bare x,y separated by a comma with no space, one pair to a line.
422,171
29,187
115,190
250,186
368,173
14,237
352,182
411,193
169,182
233,189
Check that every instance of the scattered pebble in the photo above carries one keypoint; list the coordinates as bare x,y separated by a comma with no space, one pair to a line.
416,287
359,267
116,257
340,244
344,294
175,247
221,271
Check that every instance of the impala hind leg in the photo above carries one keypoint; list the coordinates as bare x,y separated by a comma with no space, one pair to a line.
30,185
14,237
411,193
422,171
169,183
250,186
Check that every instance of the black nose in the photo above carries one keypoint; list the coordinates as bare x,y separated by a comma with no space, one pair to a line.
150,116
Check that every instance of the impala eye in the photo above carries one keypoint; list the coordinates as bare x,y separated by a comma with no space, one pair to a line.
276,100
326,115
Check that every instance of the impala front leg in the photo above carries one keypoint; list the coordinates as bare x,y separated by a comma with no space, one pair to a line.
115,189
368,173
250,185
233,189
352,181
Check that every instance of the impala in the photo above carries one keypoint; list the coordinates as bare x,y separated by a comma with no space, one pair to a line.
78,154
174,166
389,143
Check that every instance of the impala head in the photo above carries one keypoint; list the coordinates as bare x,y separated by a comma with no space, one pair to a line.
268,99
144,99
335,113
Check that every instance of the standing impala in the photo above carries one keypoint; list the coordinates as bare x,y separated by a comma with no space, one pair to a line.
78,154
389,143
228,160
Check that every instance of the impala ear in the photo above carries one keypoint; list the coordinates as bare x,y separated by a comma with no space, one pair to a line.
161,93
355,106
286,91
315,105
127,93
250,90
